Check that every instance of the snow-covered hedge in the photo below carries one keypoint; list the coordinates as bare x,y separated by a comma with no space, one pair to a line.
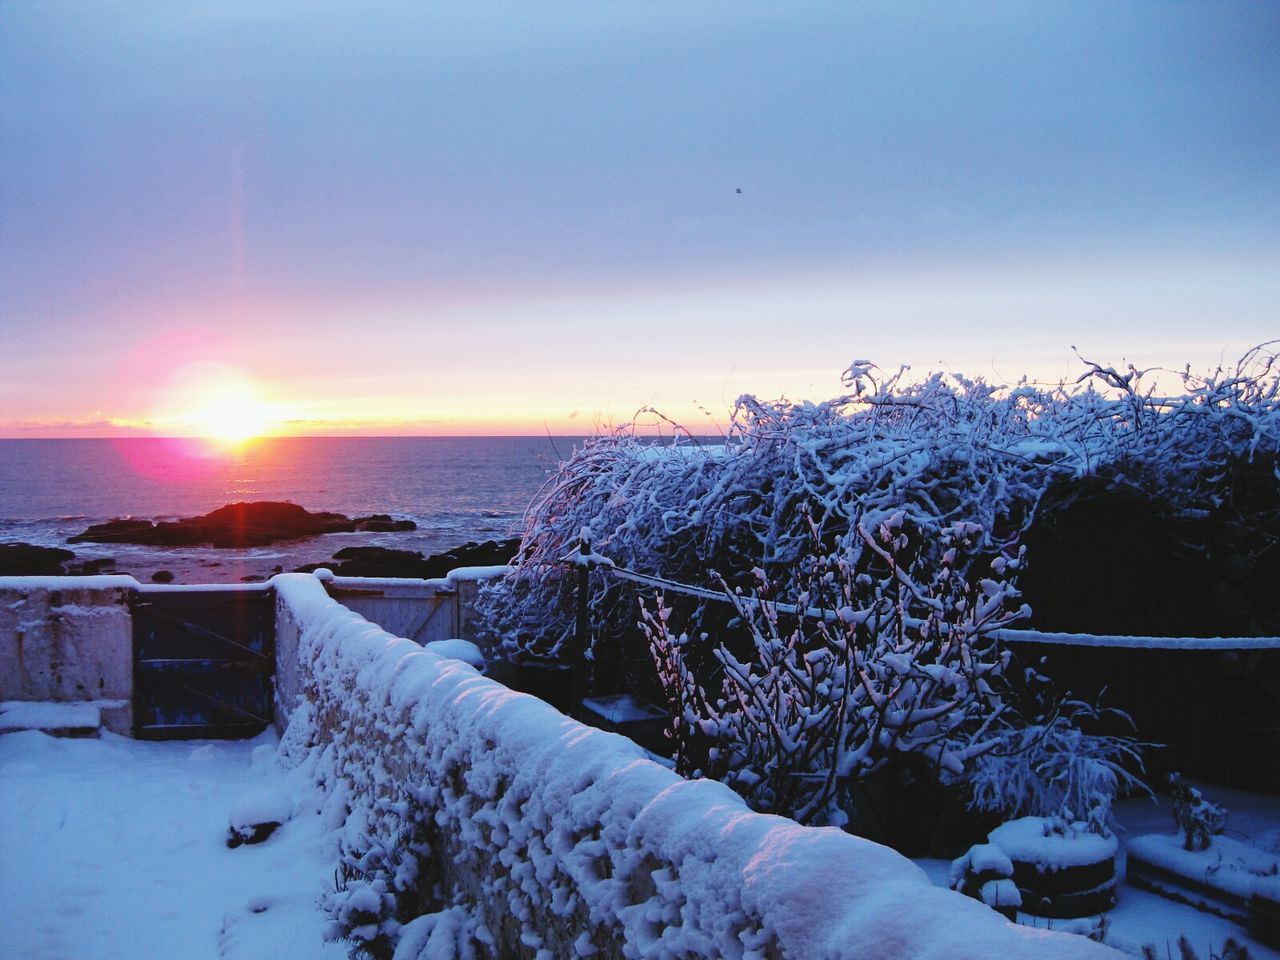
796,485
480,822
941,451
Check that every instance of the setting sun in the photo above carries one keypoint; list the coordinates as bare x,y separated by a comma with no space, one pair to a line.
212,402
233,415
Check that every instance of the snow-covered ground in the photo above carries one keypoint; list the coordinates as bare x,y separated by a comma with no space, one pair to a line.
117,848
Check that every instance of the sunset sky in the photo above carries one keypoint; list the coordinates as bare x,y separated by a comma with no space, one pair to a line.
405,218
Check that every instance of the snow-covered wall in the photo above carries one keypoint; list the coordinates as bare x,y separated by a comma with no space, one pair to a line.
544,838
68,639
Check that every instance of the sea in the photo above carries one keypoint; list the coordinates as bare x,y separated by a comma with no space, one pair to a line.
456,489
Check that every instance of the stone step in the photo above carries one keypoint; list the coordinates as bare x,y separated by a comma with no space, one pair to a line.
56,719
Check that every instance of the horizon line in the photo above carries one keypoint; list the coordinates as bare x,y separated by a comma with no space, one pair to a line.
359,436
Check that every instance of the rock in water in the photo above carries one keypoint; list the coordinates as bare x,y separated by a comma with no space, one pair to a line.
26,560
117,531
237,525
385,562
490,553
383,523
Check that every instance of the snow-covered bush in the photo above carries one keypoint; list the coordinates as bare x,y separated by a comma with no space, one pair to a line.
794,484
452,934
1221,421
942,451
377,885
1051,767
1198,819
889,651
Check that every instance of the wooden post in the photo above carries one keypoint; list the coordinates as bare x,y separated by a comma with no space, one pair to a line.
581,637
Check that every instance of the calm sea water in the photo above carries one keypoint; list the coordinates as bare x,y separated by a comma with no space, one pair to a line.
456,489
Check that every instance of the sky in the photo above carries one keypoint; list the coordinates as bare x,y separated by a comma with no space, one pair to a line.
404,218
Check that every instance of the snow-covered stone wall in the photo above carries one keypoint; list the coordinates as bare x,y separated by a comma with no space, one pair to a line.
68,639
483,817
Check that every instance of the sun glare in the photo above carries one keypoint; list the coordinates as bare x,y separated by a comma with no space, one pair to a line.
214,403
233,415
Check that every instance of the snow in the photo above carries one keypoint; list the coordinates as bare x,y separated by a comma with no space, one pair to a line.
1029,840
114,848
456,649
1043,448
451,579
259,807
1001,893
433,935
19,715
657,452
1142,918
989,861
99,582
375,583
1238,868
203,587
589,560
472,574
988,857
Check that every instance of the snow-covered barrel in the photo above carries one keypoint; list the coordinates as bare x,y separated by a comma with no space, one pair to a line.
1060,869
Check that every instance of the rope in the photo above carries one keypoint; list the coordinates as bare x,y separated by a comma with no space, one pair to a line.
672,585
1005,635
1139,643
703,593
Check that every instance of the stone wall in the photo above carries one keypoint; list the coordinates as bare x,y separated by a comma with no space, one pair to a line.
478,816
69,639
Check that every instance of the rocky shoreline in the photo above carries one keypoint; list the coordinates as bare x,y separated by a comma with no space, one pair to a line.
246,526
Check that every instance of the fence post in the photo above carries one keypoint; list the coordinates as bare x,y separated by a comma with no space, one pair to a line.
581,639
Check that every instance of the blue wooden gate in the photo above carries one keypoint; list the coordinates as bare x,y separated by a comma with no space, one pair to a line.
204,663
